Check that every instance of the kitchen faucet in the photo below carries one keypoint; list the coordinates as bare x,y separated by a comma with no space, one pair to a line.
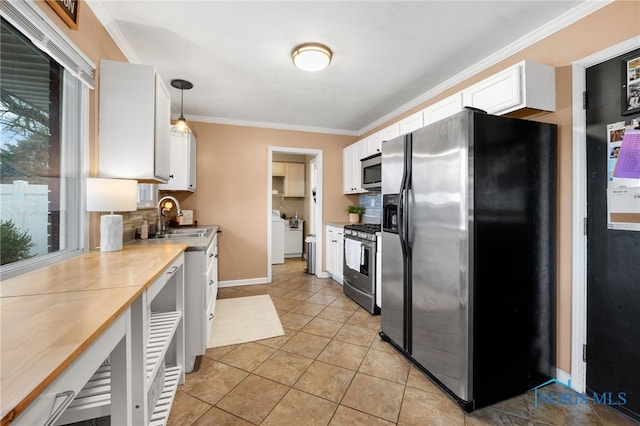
161,210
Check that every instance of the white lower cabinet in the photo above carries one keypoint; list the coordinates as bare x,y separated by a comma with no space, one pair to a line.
293,241
335,251
201,291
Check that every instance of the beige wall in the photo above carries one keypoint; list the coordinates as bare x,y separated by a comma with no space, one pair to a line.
232,188
232,160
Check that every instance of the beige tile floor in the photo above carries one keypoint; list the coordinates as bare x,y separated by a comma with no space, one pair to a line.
331,368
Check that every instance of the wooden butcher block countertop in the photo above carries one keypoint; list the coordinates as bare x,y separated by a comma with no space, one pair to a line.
51,315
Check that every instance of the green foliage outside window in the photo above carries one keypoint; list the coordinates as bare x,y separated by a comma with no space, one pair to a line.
16,244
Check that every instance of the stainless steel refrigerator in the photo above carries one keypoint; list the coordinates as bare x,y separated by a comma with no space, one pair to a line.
469,253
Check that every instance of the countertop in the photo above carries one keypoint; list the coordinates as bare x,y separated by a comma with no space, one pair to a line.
338,224
194,244
51,315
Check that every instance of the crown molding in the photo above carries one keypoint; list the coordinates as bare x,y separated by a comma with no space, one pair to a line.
113,29
582,10
268,125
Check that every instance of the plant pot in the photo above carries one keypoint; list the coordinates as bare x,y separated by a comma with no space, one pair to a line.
354,217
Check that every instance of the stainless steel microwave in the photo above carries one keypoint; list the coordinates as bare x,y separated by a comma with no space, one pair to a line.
372,172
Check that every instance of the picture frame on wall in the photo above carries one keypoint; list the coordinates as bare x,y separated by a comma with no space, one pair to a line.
67,10
631,85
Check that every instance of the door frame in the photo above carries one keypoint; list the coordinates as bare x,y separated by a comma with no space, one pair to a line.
579,202
318,207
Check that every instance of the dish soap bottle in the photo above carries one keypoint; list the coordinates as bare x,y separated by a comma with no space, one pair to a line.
144,229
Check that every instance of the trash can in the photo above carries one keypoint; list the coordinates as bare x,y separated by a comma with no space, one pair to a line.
311,254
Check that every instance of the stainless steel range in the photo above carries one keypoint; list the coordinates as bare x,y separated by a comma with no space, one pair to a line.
361,264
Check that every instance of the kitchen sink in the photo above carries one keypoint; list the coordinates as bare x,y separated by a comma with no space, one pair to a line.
186,233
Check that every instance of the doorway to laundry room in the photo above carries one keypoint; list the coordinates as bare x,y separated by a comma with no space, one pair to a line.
294,202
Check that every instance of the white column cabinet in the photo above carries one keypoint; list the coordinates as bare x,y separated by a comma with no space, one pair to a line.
352,169
334,237
183,162
135,120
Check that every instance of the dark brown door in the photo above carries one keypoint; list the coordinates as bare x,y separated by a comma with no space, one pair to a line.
613,257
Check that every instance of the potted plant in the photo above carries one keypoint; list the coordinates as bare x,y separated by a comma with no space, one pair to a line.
354,213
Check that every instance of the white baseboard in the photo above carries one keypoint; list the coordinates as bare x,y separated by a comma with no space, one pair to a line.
563,376
323,275
236,283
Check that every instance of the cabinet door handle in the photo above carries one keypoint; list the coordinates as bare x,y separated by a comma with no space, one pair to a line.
210,316
172,271
211,255
210,282
68,397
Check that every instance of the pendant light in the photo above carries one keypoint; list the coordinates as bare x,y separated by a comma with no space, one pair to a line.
181,124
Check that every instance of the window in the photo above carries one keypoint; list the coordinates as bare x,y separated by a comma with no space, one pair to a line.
41,154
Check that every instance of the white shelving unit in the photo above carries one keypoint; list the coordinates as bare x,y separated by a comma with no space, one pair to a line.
157,317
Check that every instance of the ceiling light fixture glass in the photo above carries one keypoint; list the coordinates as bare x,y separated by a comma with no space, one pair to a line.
181,124
311,56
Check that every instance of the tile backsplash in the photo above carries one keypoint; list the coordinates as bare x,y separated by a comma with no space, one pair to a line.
372,204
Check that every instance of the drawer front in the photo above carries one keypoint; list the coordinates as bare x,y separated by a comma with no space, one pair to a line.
211,311
50,404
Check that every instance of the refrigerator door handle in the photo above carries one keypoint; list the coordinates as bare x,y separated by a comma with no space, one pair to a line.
401,222
409,214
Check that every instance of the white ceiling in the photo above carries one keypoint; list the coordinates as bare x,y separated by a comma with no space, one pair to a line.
388,55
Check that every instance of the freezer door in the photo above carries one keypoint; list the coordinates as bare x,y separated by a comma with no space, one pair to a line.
392,284
439,215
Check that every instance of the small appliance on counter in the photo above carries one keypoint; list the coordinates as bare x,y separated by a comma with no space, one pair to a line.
186,218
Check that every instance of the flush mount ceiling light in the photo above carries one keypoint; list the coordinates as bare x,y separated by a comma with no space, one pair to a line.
183,85
311,56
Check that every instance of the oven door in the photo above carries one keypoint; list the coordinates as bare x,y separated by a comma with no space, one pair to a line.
360,269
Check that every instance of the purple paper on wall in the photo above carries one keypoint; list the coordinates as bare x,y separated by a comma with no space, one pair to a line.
628,165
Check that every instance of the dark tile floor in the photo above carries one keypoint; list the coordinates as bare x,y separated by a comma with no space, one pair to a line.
331,368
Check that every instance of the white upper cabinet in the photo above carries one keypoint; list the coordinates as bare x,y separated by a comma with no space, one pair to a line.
443,109
351,168
390,132
523,85
372,145
135,121
183,162
411,123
